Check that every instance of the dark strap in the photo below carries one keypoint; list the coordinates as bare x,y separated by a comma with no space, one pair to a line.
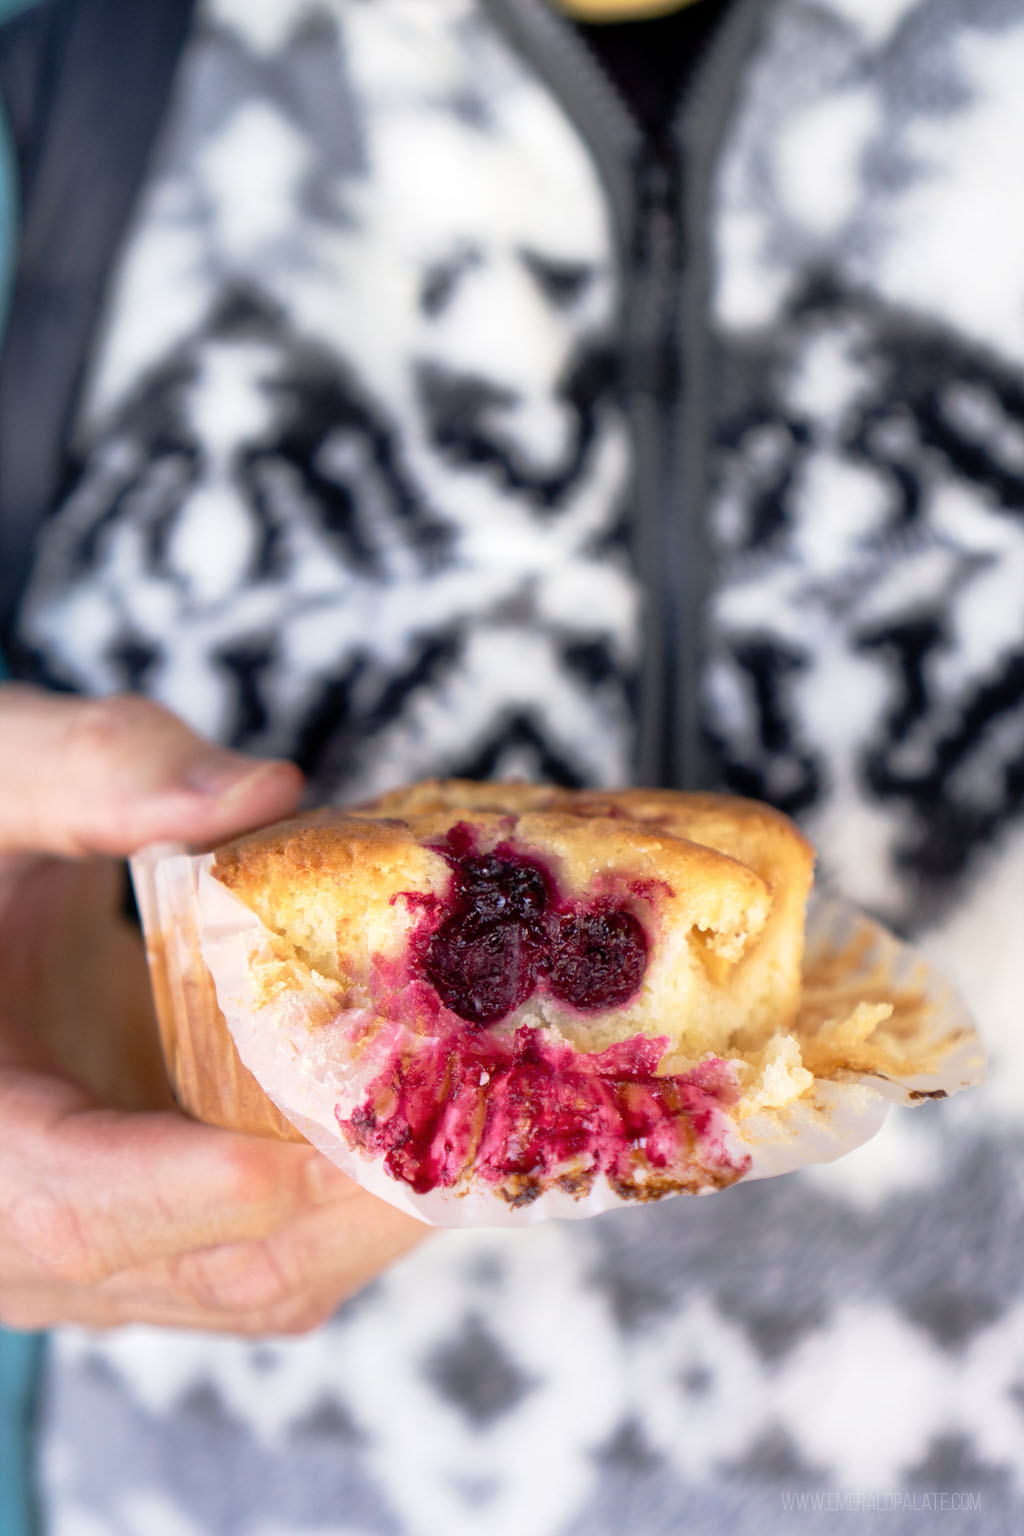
85,84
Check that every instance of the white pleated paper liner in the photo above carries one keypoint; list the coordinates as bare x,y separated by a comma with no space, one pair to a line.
315,1061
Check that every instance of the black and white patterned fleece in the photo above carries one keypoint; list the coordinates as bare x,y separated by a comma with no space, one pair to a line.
357,475
353,468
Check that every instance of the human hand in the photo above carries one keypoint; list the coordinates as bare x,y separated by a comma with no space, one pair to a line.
114,1207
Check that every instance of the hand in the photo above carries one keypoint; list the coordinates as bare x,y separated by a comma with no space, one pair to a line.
114,1207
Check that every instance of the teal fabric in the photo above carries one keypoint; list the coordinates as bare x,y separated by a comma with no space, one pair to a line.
20,1359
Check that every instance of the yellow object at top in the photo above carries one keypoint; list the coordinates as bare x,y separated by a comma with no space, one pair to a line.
620,10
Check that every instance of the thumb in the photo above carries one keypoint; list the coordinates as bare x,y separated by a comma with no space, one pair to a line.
83,776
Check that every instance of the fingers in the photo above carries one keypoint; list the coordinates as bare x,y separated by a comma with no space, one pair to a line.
289,1283
81,776
93,1192
108,1218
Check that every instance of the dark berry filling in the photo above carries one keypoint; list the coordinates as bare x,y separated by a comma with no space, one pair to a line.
494,887
483,970
485,959
507,933
598,957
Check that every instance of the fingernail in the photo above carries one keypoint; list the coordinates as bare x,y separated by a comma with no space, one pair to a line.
226,775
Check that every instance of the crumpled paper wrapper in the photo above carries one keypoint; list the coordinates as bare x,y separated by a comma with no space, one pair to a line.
877,1027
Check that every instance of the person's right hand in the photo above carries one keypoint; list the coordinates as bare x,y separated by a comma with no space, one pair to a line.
114,1207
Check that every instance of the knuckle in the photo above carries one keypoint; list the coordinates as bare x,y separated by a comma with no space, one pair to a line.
234,1277
50,1235
100,726
299,1316
306,1320
251,1179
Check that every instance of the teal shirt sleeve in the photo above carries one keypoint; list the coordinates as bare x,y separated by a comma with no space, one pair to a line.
20,1359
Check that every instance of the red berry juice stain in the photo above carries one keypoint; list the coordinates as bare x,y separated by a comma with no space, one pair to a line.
526,1113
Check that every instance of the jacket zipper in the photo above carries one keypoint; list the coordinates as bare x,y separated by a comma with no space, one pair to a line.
658,195
697,135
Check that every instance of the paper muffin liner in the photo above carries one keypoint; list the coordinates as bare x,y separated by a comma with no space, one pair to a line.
207,1075
293,1063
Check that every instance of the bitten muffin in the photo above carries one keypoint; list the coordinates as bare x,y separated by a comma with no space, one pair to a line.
539,985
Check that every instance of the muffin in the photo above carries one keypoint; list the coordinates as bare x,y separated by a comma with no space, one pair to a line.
504,1001
546,981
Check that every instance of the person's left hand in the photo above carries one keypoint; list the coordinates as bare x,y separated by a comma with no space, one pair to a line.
114,1207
